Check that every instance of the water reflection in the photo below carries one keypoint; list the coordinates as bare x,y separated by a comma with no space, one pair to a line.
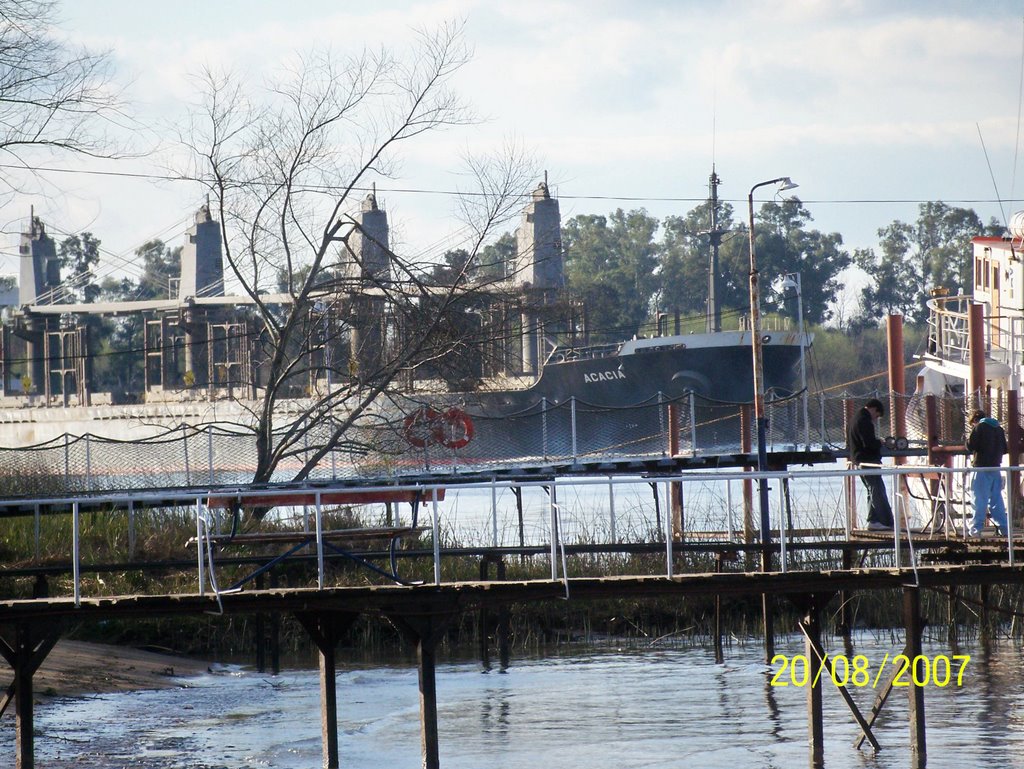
642,709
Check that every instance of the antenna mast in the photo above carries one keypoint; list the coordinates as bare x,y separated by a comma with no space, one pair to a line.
713,320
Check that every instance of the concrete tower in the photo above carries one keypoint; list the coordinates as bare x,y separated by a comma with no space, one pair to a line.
202,263
538,262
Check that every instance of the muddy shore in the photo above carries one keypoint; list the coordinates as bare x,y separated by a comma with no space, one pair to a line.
82,668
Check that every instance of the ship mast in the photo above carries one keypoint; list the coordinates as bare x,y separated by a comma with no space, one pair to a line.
713,321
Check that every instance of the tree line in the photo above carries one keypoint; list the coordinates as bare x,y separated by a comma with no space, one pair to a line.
628,265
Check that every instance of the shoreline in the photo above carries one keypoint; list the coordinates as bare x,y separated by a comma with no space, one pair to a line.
81,668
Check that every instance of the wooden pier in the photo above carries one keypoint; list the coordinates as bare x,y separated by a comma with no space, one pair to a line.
422,612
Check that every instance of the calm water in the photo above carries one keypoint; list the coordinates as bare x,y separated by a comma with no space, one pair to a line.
627,709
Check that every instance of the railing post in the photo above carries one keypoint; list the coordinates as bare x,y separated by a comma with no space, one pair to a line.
572,413
611,511
199,548
319,521
88,463
494,513
555,533
209,453
436,527
669,571
76,542
544,426
131,528
188,464
783,525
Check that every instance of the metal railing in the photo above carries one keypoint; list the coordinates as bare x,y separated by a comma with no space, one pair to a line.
811,512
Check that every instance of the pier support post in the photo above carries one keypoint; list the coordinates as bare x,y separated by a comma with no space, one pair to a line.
424,631
325,629
811,625
915,694
500,624
25,656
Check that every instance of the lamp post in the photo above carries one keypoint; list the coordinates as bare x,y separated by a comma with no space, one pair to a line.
785,183
792,283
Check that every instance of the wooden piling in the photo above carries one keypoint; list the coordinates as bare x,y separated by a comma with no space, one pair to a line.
915,693
816,673
25,656
325,629
424,631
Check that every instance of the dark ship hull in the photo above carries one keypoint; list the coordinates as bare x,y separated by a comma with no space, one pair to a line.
612,400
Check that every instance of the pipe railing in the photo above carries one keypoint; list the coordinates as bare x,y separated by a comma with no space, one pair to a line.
927,500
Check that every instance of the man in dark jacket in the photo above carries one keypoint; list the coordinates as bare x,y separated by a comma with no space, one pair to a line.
866,451
987,444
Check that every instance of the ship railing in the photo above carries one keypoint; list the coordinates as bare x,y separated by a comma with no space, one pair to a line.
601,523
947,327
948,335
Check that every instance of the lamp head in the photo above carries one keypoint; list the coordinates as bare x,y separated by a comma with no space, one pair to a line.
789,286
785,183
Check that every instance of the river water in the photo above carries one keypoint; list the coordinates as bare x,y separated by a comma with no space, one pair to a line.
629,708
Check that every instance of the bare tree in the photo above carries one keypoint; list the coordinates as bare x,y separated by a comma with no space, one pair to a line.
52,95
287,174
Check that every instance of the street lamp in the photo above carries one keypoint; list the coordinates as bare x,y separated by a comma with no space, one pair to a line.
790,285
785,183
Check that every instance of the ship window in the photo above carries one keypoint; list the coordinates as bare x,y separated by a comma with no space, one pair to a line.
985,274
995,278
977,272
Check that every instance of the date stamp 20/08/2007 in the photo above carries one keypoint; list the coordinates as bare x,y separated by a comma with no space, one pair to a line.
857,671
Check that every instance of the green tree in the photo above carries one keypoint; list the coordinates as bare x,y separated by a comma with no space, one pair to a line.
78,254
684,260
784,245
610,262
160,264
934,252
495,258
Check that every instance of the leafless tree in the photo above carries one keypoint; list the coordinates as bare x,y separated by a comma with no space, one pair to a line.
286,173
52,95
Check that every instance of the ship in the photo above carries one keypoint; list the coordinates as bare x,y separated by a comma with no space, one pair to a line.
546,391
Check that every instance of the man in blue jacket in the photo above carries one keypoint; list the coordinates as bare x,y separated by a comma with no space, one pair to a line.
987,444
866,451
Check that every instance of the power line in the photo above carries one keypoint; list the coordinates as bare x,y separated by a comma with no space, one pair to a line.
457,193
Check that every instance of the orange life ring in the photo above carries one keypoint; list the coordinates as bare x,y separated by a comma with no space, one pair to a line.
423,427
457,428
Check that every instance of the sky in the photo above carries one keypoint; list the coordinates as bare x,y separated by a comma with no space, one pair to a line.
872,107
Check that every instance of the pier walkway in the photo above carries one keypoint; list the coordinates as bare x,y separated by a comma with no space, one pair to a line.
695,526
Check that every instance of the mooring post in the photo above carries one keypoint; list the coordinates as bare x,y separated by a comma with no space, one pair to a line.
915,692
25,657
260,633
325,629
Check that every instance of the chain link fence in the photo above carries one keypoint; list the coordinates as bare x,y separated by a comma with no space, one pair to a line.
419,440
